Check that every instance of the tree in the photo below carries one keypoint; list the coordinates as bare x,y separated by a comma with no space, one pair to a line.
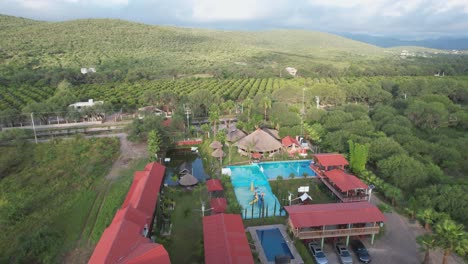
248,104
427,216
451,237
427,243
358,154
428,115
154,144
393,193
403,171
266,104
314,132
206,129
214,117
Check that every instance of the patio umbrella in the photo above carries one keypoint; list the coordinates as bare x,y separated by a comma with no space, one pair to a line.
218,153
216,145
188,180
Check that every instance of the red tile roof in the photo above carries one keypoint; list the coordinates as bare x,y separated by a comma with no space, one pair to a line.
256,155
289,141
330,159
345,182
315,215
219,205
214,185
225,241
123,240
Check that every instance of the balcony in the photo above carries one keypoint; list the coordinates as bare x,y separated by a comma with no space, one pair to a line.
341,196
336,232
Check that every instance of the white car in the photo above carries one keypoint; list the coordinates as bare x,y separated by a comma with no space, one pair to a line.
343,253
317,252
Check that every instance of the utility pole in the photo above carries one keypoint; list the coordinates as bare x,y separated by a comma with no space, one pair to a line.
34,128
302,112
188,112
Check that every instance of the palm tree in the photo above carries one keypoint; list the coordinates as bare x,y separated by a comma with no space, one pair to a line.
451,237
266,103
427,243
248,103
214,117
428,216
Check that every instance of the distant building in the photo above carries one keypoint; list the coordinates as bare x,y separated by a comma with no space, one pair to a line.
80,105
88,70
292,71
152,110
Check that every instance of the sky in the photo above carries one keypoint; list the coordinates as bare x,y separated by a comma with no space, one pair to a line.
401,18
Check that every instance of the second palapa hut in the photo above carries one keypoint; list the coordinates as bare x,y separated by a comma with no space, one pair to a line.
259,141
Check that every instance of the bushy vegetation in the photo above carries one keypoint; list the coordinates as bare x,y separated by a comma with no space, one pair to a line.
44,198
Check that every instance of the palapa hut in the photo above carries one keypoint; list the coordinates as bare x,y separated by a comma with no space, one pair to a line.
235,134
218,153
258,141
216,145
188,180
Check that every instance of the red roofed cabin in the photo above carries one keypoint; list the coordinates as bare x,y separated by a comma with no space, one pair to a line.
320,221
327,161
225,241
126,240
290,145
347,187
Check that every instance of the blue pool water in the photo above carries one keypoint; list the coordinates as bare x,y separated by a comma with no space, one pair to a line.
285,168
243,177
273,243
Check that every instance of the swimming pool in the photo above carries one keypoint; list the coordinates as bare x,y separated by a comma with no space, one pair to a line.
250,179
273,243
284,168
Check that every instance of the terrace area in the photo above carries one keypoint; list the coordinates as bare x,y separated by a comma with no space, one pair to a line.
346,187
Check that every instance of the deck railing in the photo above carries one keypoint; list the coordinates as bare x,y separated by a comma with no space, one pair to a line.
336,232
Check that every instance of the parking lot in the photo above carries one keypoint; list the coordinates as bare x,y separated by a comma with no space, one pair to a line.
396,246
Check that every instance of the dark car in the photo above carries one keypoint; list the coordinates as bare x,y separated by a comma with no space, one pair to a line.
361,251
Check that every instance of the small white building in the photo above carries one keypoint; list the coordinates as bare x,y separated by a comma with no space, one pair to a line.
292,71
87,70
81,105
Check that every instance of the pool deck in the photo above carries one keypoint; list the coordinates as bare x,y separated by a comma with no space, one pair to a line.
261,254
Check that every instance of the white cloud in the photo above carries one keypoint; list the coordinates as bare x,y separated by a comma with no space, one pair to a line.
225,10
55,4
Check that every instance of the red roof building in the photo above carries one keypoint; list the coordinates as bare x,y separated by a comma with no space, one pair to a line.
225,241
125,241
344,181
289,141
219,205
214,185
334,220
328,161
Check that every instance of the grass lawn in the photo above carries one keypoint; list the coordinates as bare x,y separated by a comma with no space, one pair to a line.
316,189
185,244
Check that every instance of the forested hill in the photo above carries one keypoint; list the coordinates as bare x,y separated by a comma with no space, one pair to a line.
131,50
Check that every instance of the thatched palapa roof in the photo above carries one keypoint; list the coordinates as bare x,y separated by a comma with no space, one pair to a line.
259,141
235,134
188,180
218,153
216,145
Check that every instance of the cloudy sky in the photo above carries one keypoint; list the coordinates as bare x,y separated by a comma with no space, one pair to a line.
410,18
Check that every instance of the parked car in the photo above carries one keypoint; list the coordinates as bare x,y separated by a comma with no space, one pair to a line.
317,252
343,254
361,251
